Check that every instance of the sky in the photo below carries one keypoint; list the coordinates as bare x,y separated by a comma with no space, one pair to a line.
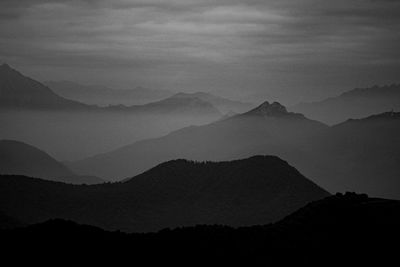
284,50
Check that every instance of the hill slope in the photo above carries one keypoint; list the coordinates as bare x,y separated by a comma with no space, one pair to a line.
360,155
19,91
23,159
257,190
357,103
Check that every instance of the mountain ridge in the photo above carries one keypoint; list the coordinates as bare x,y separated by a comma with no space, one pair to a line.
177,193
21,92
356,103
237,134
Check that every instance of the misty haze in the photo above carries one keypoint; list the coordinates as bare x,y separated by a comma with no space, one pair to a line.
182,131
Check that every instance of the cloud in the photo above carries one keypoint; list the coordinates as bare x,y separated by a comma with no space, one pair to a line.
259,43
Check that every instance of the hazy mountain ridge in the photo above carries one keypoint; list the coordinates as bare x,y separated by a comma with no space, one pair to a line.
18,158
357,229
20,92
236,137
256,190
105,96
223,104
356,103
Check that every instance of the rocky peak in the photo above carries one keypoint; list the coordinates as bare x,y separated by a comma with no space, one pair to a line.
274,109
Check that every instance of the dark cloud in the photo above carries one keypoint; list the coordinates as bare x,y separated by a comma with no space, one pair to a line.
290,49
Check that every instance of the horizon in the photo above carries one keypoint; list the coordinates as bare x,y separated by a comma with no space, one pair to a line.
96,87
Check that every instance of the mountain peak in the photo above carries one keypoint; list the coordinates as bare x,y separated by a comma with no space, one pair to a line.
5,67
274,109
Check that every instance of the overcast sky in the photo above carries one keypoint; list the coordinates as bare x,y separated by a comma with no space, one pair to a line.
256,49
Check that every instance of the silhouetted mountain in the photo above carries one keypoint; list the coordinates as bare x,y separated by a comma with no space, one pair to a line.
268,129
23,159
357,103
341,229
257,190
223,104
273,110
359,155
104,96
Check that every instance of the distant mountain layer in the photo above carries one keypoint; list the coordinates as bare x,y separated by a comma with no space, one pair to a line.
257,190
23,159
104,96
351,229
354,104
20,92
224,105
358,155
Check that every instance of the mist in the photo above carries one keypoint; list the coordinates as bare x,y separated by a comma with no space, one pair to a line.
71,136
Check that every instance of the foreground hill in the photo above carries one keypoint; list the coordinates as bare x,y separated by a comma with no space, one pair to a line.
257,190
357,103
267,129
23,159
351,229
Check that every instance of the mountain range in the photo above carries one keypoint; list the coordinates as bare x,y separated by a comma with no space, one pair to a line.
357,103
23,159
257,190
358,155
104,96
268,129
20,92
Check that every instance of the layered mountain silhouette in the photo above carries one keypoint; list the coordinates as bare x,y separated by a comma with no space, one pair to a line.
20,92
350,228
357,103
358,155
23,159
105,96
267,129
257,190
